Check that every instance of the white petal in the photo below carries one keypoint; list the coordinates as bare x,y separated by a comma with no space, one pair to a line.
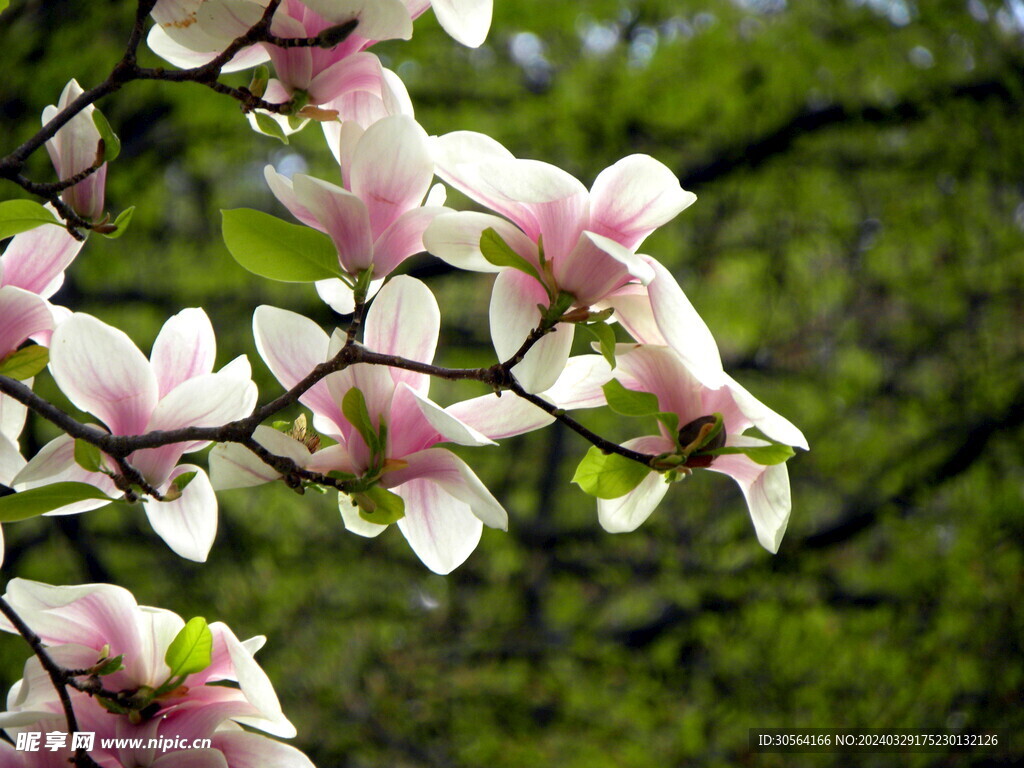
451,428
466,20
232,465
513,314
440,529
189,523
256,686
775,426
378,19
581,382
250,750
185,347
353,522
628,512
164,46
455,238
766,490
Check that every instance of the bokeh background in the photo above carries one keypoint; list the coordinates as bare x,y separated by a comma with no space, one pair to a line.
858,250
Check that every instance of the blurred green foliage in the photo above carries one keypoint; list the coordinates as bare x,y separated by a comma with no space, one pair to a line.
856,248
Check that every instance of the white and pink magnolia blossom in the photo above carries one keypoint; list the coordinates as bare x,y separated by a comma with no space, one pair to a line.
73,149
101,371
662,372
81,625
446,505
376,220
589,239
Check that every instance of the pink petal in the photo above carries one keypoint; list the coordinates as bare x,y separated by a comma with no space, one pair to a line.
453,475
440,529
500,417
36,260
284,191
292,346
55,463
358,72
92,615
402,239
660,371
404,320
378,19
596,266
185,347
513,314
188,524
102,371
766,490
634,197
450,428
343,216
633,312
391,169
22,314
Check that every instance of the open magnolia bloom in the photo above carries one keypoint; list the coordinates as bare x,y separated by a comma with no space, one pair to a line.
691,436
376,220
102,372
168,677
560,244
73,149
385,427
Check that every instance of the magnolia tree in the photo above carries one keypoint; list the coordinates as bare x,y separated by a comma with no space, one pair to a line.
113,683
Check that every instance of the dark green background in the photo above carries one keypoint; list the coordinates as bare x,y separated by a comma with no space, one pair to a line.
857,249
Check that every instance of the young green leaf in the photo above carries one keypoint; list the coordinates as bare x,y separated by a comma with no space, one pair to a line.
124,218
108,666
630,402
111,144
500,254
605,336
608,475
88,456
670,420
268,126
379,505
35,501
775,453
25,363
191,649
353,406
267,246
17,216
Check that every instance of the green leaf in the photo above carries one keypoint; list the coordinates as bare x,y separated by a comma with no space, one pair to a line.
353,406
191,650
606,339
267,246
109,666
776,453
670,420
88,456
17,216
124,218
259,82
25,504
25,363
500,254
181,481
270,127
4,4
111,144
379,505
608,475
629,402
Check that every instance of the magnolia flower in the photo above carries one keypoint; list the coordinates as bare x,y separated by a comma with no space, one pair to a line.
73,149
102,372
445,504
589,238
84,625
376,219
662,372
